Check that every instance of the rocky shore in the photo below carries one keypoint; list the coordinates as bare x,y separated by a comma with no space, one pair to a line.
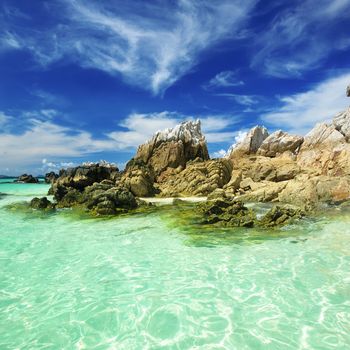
305,172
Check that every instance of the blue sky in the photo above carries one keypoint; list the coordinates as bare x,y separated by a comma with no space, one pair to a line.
89,80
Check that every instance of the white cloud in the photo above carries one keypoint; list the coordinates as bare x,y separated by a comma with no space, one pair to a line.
141,127
301,37
300,112
150,45
245,100
223,79
4,118
44,143
221,153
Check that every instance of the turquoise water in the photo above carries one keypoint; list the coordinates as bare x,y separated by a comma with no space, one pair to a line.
144,282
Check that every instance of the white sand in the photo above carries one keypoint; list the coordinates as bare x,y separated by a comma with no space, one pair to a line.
169,200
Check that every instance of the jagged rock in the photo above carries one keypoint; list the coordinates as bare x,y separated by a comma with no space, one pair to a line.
25,178
50,177
278,143
341,122
198,178
139,178
226,212
251,142
280,216
41,203
80,177
233,185
348,91
174,147
326,149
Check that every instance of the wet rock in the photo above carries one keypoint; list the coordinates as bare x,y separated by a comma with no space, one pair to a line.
225,212
41,203
27,178
280,216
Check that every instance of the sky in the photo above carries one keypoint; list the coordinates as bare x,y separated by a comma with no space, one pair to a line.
90,80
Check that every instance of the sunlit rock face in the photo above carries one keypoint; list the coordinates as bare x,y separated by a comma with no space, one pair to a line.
278,143
174,147
251,143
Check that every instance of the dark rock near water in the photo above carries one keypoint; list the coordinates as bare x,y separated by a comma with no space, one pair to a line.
279,216
25,178
41,203
50,177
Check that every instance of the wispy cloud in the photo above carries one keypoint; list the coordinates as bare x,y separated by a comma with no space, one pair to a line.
300,112
223,79
149,44
245,100
301,37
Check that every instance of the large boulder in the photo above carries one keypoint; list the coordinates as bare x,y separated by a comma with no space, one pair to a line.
278,143
139,178
27,178
341,123
41,204
174,147
250,144
197,179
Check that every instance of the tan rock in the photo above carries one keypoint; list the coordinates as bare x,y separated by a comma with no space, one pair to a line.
278,143
250,143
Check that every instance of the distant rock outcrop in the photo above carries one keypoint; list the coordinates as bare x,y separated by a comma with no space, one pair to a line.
174,147
25,178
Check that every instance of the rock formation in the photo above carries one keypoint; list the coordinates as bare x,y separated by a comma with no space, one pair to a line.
25,178
93,186
174,147
278,143
50,177
348,91
250,143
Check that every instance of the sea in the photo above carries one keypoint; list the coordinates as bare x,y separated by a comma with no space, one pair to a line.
154,280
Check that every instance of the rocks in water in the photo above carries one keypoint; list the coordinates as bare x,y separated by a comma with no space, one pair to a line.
50,177
197,179
280,216
251,143
174,147
233,213
139,178
27,178
278,143
95,187
227,213
82,176
41,203
107,199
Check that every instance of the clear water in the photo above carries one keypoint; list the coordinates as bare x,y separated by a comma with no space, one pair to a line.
145,282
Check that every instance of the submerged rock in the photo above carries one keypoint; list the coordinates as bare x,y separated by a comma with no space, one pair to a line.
226,212
25,178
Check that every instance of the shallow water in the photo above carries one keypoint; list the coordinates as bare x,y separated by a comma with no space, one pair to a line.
149,282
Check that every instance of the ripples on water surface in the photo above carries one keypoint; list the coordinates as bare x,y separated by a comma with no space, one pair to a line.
144,282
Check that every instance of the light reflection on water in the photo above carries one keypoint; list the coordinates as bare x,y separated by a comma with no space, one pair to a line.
152,281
